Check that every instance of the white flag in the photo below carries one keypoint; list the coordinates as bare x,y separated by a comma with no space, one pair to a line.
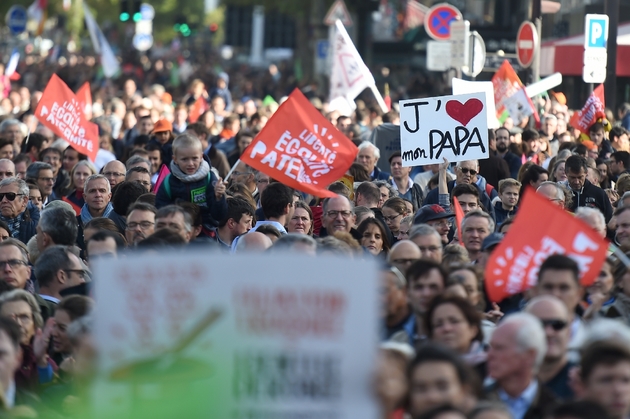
13,63
101,46
349,76
519,106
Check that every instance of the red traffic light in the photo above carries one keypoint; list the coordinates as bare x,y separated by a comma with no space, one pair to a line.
214,27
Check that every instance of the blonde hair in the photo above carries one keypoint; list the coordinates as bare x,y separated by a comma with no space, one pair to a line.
186,141
509,183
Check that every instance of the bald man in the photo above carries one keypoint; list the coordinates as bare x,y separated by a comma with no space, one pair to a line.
253,242
7,169
115,172
554,316
403,254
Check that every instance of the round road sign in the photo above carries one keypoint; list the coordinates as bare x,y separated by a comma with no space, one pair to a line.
16,19
142,41
437,21
526,44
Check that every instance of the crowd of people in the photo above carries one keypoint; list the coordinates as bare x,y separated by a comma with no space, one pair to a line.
559,350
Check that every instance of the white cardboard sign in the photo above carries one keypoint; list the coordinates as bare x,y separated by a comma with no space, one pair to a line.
451,127
237,337
461,87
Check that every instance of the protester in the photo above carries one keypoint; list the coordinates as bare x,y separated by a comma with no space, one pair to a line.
476,226
426,280
374,237
78,174
302,220
428,241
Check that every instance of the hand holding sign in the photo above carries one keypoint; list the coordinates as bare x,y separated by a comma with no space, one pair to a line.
451,127
219,189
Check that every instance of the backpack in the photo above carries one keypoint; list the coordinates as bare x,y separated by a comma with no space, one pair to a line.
167,184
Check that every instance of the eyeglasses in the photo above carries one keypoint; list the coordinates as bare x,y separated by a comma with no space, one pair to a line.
555,324
264,181
80,272
7,174
335,214
46,179
430,249
390,219
9,195
403,261
466,171
13,263
441,223
143,225
113,174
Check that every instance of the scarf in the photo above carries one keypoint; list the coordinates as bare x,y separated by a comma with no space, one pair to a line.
226,134
14,225
476,355
201,173
86,216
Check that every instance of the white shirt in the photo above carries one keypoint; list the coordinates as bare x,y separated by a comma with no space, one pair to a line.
9,395
49,298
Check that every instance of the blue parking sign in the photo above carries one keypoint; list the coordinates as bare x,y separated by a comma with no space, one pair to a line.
596,31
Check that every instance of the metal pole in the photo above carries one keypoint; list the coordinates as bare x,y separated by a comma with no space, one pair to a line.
611,8
472,55
537,19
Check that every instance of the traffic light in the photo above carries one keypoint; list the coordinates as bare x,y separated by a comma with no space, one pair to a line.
181,26
124,10
135,11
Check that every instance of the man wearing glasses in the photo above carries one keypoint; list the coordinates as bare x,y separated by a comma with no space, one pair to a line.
41,174
338,216
115,172
56,269
436,217
14,199
140,222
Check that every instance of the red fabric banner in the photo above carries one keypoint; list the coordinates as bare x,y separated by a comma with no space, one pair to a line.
61,111
513,266
506,83
84,95
197,109
301,148
593,109
459,216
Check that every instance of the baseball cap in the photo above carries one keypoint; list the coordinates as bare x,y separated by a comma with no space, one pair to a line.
491,241
162,125
430,213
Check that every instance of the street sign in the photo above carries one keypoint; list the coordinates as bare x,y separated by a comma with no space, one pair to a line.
321,56
338,11
142,41
147,12
595,48
437,21
438,55
460,41
476,58
526,44
16,19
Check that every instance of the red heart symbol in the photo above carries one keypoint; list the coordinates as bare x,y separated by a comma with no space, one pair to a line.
463,113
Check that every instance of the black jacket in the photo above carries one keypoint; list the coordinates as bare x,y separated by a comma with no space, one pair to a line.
486,201
594,197
494,169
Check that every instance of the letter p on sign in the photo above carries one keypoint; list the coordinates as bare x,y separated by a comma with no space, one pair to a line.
596,35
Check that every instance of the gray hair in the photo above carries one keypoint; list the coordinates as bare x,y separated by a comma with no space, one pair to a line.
28,298
334,245
134,160
174,209
485,406
480,214
585,212
623,197
393,193
366,144
563,155
327,200
60,224
550,116
8,123
80,327
16,243
51,261
420,230
559,190
287,241
22,186
530,335
606,329
401,281
32,171
96,177
459,163
407,220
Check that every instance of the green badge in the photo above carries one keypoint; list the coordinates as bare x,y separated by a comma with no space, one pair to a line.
198,196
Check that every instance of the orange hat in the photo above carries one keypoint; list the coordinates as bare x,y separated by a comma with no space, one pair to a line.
560,97
590,145
162,125
167,99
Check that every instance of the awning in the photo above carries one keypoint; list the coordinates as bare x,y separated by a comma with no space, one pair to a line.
565,55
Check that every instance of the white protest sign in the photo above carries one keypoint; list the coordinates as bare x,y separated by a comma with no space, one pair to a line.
244,336
519,106
452,127
462,87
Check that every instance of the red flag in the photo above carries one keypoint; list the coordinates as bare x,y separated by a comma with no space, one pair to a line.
593,109
513,266
84,94
506,83
197,109
459,215
161,175
60,110
74,206
301,148
414,15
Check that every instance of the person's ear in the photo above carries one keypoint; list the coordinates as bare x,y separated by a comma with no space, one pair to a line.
61,276
287,209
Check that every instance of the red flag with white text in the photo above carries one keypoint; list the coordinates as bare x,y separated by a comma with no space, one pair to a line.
514,264
594,109
84,94
60,110
301,148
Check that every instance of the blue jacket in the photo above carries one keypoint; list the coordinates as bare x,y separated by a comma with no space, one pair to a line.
500,215
514,163
200,192
378,175
433,196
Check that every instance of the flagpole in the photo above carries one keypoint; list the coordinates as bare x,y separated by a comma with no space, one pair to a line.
379,98
231,170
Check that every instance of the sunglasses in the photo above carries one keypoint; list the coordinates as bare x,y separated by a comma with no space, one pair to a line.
466,171
10,196
556,325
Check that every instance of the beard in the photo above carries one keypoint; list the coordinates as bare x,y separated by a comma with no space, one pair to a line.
502,147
